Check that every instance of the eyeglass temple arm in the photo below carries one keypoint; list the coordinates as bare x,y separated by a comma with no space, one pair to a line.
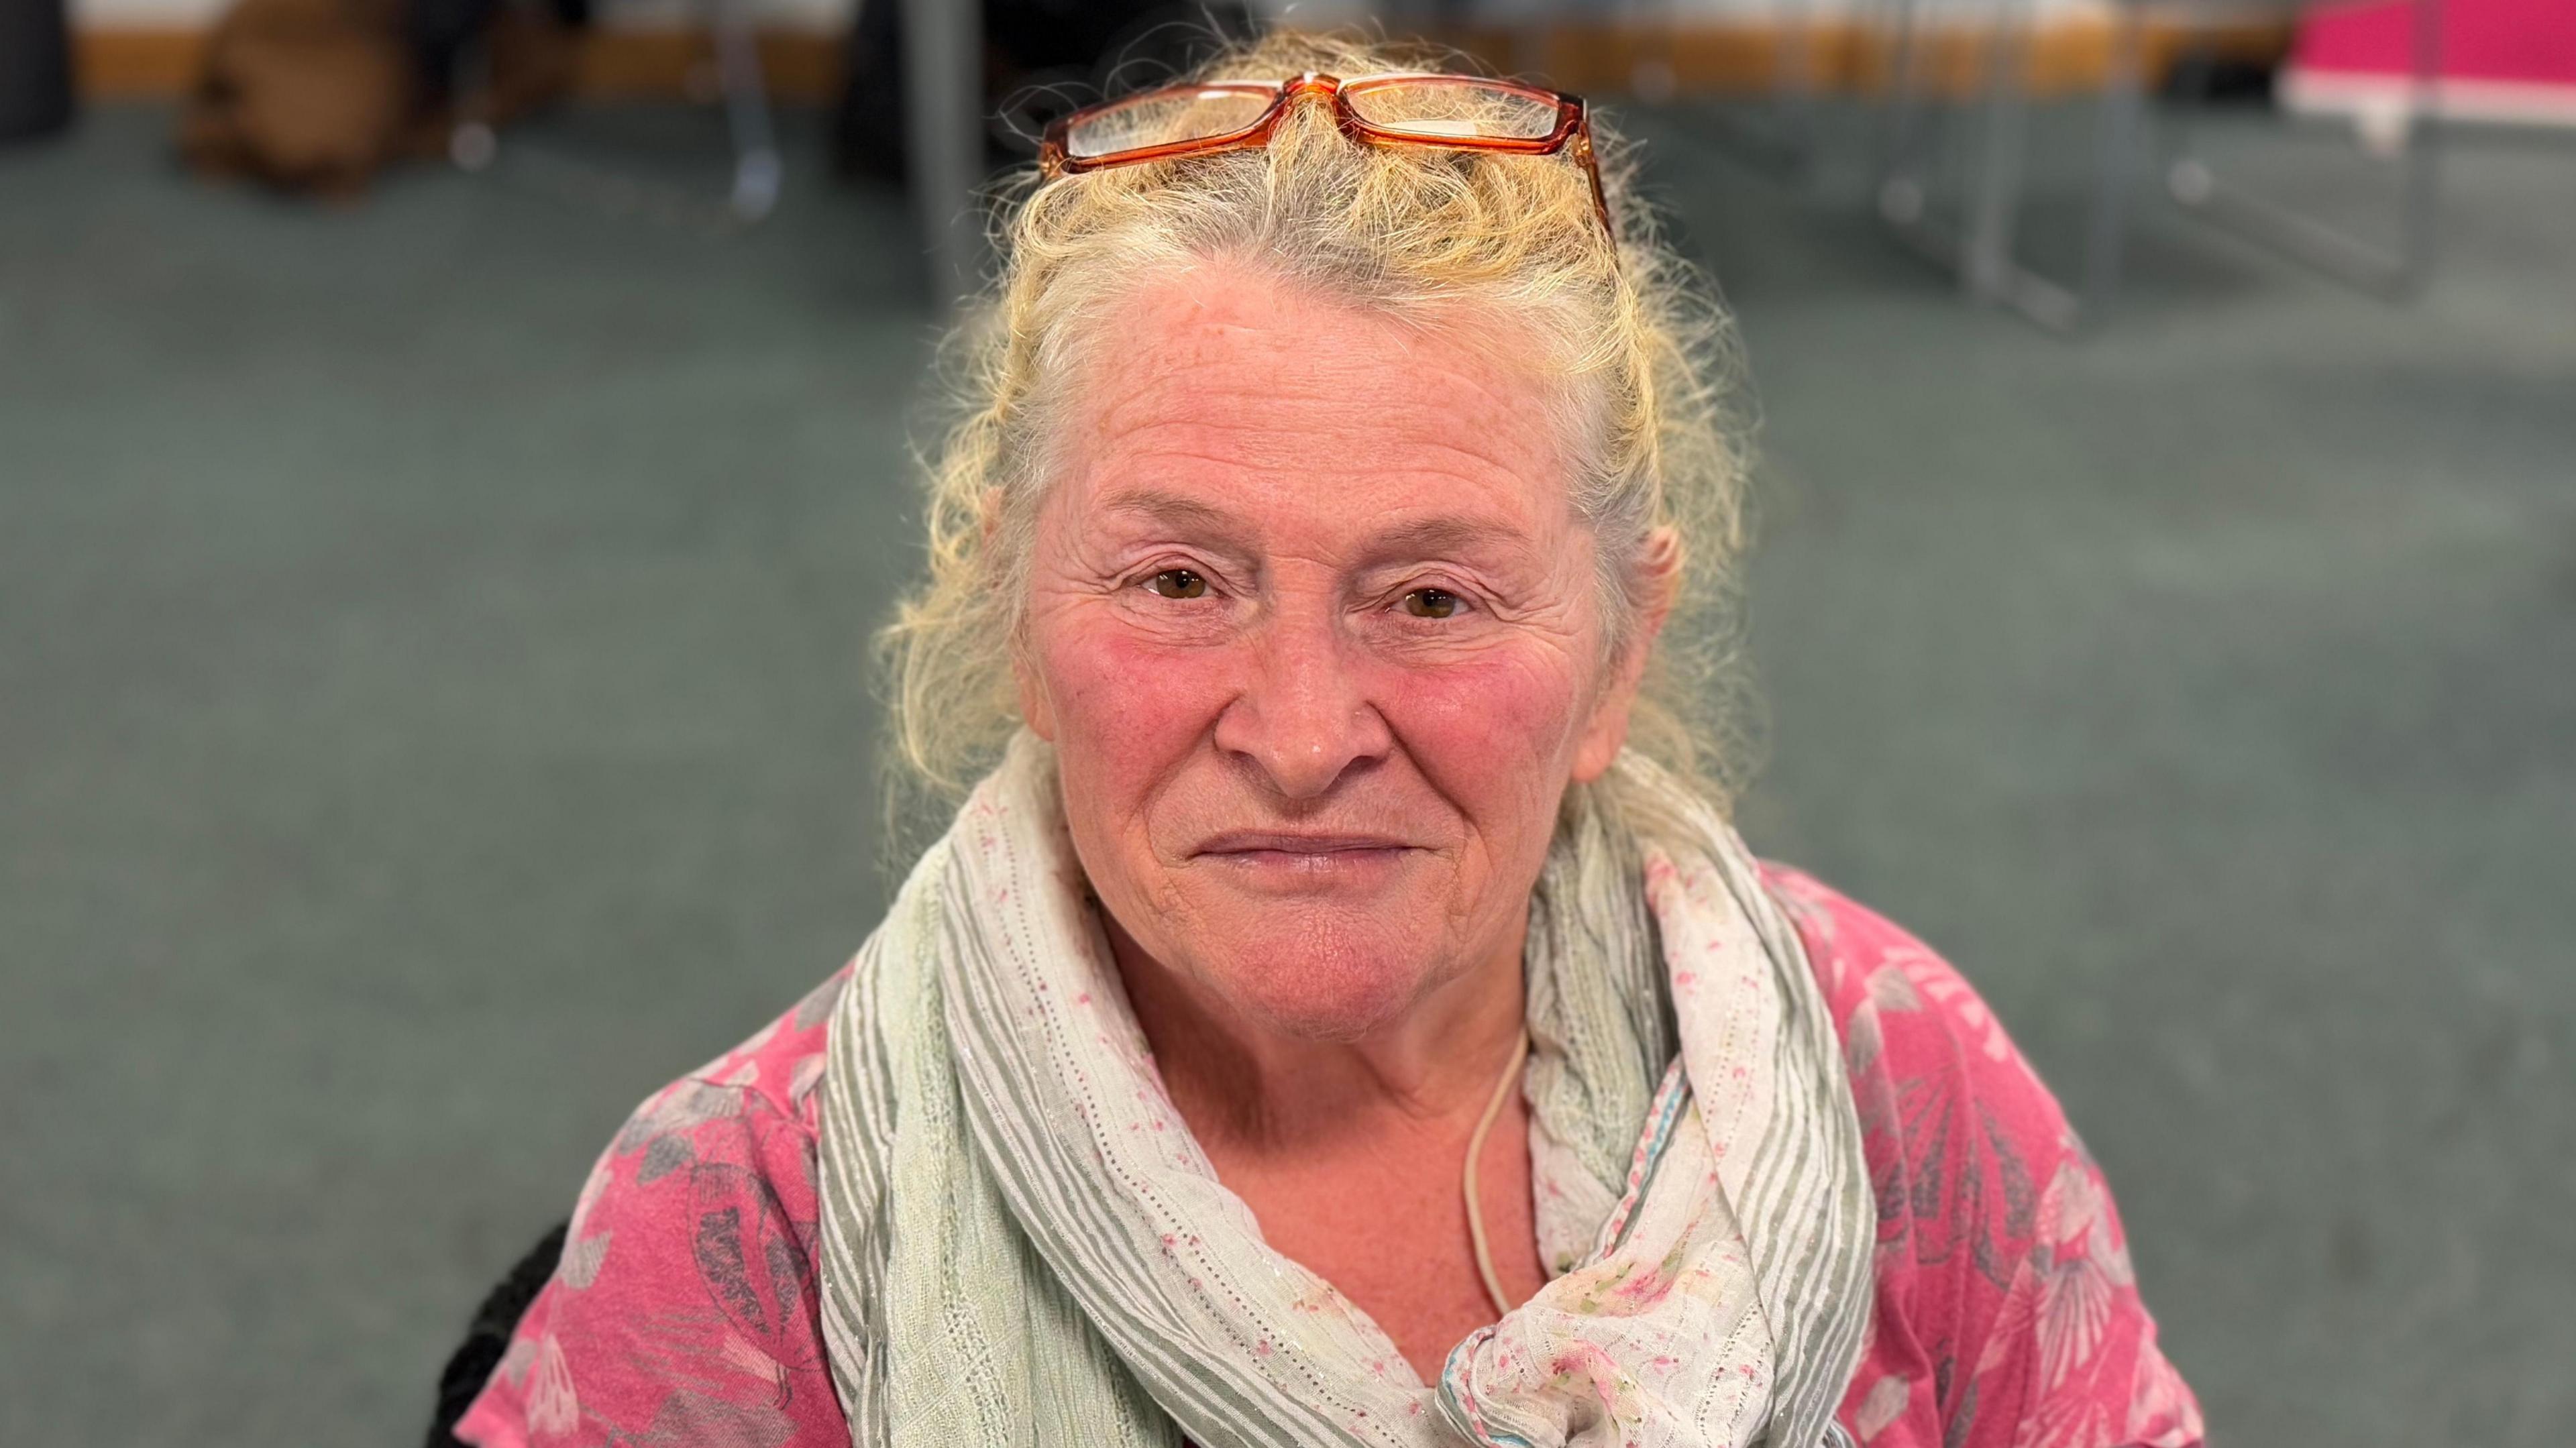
1591,160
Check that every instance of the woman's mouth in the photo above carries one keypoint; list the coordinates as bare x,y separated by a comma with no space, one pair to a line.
1294,860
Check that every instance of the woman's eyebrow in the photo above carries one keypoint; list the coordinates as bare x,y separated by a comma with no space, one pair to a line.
1180,514
1446,536
1212,526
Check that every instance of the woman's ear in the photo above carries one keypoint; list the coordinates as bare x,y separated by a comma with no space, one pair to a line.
1034,711
1657,587
988,519
1024,679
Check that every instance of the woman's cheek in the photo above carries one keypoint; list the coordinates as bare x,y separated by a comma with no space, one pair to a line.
1507,711
1127,698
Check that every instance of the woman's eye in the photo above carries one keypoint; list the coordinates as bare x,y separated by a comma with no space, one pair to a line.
1178,583
1431,603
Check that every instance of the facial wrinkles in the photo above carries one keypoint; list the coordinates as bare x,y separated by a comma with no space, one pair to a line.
1175,424
1249,401
1300,627
1330,555
1295,468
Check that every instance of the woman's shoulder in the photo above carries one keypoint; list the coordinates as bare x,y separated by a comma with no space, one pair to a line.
2007,1313
686,1305
780,1066
1903,1010
1960,1131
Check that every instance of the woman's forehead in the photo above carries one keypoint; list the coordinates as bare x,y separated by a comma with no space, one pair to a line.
1221,394
1353,531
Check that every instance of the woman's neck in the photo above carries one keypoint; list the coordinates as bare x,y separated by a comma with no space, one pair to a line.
1249,1087
1349,1153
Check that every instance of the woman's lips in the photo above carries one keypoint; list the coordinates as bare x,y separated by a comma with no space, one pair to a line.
1234,842
1293,860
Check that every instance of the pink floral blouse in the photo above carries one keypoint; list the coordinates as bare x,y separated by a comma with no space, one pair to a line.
685,1309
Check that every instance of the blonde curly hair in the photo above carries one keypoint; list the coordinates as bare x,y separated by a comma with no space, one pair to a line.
1633,339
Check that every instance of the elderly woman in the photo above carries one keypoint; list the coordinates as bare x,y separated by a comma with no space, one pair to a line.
1341,1012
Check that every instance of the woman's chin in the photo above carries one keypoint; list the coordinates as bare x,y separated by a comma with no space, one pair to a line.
1324,985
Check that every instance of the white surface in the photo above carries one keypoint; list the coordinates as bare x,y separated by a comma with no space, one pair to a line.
2368,98
832,14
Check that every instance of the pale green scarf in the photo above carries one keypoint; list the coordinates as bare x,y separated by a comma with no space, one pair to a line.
1023,1245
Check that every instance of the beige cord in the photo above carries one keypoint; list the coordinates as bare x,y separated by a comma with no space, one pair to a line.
1475,1151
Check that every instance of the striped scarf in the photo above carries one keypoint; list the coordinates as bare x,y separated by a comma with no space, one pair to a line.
1022,1244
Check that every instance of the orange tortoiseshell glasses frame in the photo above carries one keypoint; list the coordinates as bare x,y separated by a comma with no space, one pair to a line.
1572,129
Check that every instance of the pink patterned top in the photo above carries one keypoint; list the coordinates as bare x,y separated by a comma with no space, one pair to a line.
685,1309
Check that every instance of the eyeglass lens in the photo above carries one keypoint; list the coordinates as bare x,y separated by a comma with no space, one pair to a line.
1430,109
1164,118
1447,109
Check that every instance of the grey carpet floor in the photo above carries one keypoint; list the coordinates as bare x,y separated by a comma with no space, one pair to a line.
433,712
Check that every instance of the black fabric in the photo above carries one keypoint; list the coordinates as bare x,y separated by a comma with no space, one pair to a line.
439,33
1041,58
35,68
489,1337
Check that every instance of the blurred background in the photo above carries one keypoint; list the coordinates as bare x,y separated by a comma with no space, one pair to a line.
453,454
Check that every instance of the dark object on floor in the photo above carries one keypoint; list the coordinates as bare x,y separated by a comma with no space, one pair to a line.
1041,58
309,95
2233,80
35,69
442,34
319,95
489,1337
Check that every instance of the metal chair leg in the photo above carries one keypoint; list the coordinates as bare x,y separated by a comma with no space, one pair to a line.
1901,192
1986,265
2392,273
1984,252
756,167
2118,143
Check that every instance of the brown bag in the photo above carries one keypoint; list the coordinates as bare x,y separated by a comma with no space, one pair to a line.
318,95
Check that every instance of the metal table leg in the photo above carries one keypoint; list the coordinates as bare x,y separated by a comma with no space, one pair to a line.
944,136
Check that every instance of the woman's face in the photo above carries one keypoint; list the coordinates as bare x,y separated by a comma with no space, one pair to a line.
1316,634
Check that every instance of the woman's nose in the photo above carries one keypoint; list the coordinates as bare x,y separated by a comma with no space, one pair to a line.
1302,720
